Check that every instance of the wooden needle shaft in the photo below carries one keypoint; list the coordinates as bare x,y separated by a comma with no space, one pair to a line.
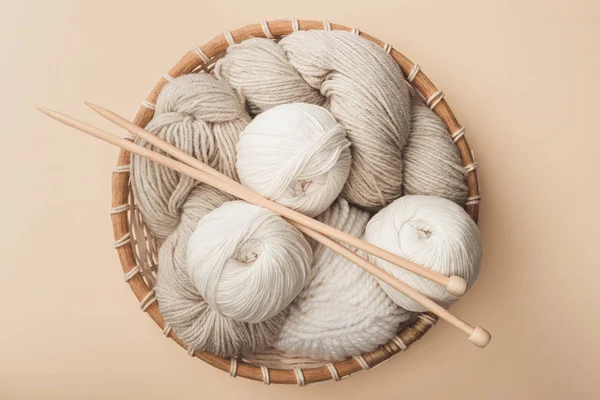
454,284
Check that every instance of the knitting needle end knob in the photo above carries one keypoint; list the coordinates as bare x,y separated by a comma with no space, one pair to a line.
456,286
480,337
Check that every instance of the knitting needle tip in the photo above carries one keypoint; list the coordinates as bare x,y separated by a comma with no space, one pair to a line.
49,113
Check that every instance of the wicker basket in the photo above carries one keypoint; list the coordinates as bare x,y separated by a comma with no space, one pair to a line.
137,249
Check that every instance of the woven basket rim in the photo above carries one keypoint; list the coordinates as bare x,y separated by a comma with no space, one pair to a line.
122,211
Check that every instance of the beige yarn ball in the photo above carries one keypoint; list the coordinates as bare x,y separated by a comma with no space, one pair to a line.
295,154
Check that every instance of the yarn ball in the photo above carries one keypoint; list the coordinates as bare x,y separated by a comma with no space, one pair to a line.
343,311
295,154
182,306
433,232
247,262
360,84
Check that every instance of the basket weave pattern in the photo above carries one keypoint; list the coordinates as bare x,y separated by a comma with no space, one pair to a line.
137,248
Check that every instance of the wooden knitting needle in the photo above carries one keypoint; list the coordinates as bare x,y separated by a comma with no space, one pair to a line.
477,335
454,285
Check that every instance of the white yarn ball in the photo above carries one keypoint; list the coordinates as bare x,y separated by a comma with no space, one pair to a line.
295,154
433,232
343,311
247,262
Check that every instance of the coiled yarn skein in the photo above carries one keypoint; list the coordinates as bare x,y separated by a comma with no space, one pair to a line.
204,117
430,231
247,262
357,81
343,311
398,144
432,165
295,154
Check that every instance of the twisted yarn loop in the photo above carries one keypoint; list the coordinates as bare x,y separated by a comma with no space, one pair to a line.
247,262
430,231
343,311
295,154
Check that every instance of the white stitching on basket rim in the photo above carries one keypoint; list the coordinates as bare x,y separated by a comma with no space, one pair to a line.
266,30
167,77
400,343
201,54
233,367
265,374
131,273
333,372
326,25
430,101
471,201
147,301
122,168
413,73
299,376
362,362
191,351
148,105
167,330
229,37
119,209
295,25
355,31
471,167
123,241
436,102
387,47
458,134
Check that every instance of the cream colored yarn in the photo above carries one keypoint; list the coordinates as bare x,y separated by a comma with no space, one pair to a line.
247,262
364,89
343,311
430,231
202,116
295,154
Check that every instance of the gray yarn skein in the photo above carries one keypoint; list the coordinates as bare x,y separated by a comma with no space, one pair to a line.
432,165
358,82
204,117
182,306
364,89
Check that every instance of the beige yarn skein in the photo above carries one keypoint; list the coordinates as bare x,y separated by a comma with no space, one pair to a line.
359,83
202,116
432,165
363,88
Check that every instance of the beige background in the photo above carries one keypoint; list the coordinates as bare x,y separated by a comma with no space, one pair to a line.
522,76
